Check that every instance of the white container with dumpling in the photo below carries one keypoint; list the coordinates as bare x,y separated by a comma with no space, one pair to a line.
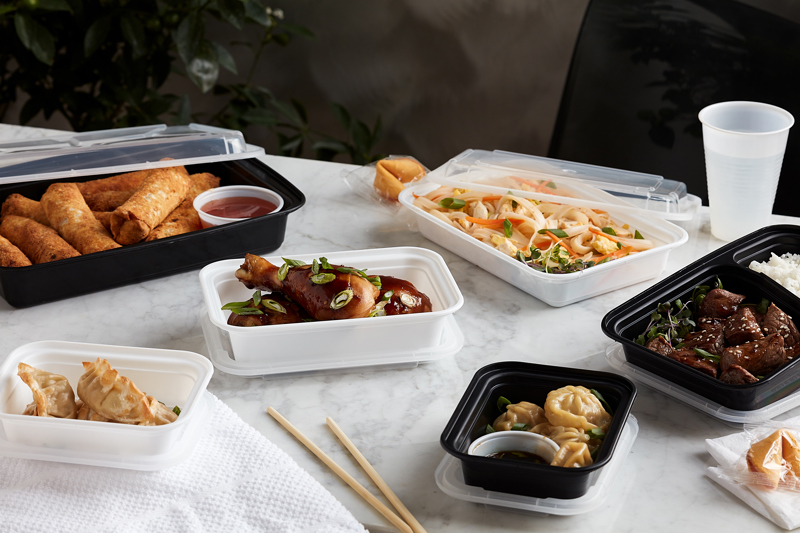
171,377
633,201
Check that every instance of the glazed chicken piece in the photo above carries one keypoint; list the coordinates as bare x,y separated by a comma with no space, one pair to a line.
741,327
758,357
719,303
405,299
688,357
344,295
736,375
272,314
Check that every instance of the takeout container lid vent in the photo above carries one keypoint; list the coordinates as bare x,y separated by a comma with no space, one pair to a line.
119,150
590,186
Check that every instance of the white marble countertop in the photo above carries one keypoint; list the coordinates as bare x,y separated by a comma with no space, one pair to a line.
395,417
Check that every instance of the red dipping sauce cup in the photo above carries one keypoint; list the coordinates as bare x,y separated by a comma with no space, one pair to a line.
233,203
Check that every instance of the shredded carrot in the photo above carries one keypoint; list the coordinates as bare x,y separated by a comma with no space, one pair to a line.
542,186
561,242
603,234
544,245
415,195
491,198
625,250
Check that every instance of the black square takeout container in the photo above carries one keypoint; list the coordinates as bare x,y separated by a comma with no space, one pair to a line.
730,263
199,149
529,382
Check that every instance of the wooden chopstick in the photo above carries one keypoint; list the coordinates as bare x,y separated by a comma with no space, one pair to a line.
347,478
373,474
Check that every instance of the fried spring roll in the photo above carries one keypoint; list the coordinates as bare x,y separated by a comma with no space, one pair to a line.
184,218
11,256
16,204
161,192
104,217
122,182
73,220
107,200
40,243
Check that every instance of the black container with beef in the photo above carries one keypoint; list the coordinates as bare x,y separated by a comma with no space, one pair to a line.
529,382
47,282
730,264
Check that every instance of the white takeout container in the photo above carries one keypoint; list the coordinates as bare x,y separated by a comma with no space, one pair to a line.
338,342
645,207
173,377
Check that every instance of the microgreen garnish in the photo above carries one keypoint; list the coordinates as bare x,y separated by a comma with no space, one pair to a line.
519,426
502,401
293,262
671,321
637,235
560,233
706,355
387,295
452,203
596,433
322,279
315,267
272,305
341,299
176,410
282,271
609,231
508,228
489,429
603,401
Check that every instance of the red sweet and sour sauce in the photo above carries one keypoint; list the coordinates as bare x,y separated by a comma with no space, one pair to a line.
239,207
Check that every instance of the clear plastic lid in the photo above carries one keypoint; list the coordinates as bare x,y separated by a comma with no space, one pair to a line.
552,180
119,150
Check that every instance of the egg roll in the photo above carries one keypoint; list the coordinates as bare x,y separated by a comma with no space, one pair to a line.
184,218
71,217
107,200
11,256
122,182
40,243
161,192
16,204
104,217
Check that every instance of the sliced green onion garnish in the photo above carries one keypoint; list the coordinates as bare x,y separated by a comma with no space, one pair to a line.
323,278
324,263
706,355
637,235
379,309
315,267
387,295
375,280
272,305
293,262
408,300
256,298
619,245
502,401
282,271
452,203
596,433
489,429
603,401
519,426
560,233
176,410
245,311
551,185
235,305
609,231
508,228
763,307
341,299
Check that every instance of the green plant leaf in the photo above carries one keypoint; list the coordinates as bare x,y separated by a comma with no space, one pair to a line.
342,115
232,11
133,31
224,57
35,38
292,143
301,110
256,12
330,144
96,35
298,30
7,9
188,36
203,69
53,5
260,117
289,112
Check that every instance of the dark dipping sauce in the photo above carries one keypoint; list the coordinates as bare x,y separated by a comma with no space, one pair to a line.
239,207
515,455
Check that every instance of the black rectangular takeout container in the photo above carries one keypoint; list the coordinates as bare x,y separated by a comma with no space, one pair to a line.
529,382
47,282
729,263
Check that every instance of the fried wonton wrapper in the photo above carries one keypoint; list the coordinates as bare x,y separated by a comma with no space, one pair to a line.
162,413
39,243
122,182
71,217
11,256
161,192
391,175
184,218
52,394
16,204
108,200
85,413
113,396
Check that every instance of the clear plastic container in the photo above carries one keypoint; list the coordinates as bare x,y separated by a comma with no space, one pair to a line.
338,342
173,377
450,478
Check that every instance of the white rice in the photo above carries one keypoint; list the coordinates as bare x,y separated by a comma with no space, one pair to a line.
784,269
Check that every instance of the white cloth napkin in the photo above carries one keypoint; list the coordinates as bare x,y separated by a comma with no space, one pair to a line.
235,480
782,508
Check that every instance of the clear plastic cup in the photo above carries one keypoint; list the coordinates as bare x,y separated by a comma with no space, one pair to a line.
744,145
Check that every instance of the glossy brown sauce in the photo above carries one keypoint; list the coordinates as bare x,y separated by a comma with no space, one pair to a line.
516,455
239,207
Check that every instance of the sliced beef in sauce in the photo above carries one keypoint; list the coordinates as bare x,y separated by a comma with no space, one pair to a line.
742,327
736,375
708,322
719,303
688,357
710,340
659,345
758,357
776,321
